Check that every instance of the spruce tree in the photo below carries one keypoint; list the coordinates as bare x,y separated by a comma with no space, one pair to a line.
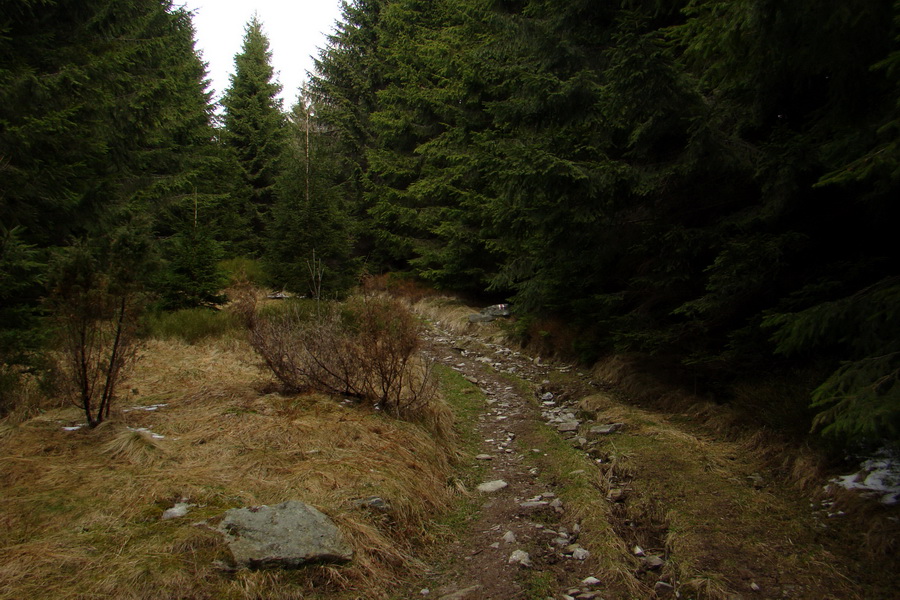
709,183
309,229
190,201
105,127
426,185
347,77
254,135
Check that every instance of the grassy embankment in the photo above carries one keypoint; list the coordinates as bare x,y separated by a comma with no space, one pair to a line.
81,510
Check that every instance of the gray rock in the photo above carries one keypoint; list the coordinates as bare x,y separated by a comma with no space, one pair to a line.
606,429
533,504
282,295
490,487
497,310
654,562
590,581
509,537
521,558
374,502
581,554
547,396
567,426
286,535
480,318
484,457
663,589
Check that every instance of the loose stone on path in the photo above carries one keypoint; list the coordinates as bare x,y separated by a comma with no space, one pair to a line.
521,558
490,487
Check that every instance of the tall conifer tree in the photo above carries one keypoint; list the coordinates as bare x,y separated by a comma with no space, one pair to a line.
309,229
105,125
348,74
254,133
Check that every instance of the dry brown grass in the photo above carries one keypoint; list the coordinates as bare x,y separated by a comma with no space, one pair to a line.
722,525
449,315
81,509
795,463
399,286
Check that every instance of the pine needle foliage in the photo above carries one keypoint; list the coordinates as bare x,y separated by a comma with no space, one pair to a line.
861,398
105,123
254,135
708,183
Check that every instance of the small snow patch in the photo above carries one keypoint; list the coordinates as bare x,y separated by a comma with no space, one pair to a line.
155,436
878,476
73,428
149,408
176,512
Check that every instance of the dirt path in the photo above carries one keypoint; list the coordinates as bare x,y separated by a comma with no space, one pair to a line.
522,541
590,498
523,514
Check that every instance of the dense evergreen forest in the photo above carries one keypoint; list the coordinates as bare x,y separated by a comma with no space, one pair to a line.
708,184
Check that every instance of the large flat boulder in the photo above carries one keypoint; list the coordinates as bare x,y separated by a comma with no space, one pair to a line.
286,535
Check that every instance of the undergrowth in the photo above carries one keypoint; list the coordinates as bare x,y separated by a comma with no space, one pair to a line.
192,325
365,348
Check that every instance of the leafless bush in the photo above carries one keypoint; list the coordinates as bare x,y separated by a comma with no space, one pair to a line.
365,348
96,296
96,326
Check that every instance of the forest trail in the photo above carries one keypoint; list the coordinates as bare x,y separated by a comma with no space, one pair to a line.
606,500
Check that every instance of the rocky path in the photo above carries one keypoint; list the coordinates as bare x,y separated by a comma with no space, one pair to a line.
522,529
583,497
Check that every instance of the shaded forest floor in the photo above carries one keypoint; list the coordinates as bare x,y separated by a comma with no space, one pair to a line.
666,505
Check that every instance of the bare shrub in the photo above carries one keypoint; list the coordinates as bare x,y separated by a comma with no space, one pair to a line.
96,313
365,348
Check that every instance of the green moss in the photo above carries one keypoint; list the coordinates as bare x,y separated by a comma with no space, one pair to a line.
465,400
540,585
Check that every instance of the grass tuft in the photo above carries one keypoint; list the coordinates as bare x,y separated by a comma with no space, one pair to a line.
134,446
193,325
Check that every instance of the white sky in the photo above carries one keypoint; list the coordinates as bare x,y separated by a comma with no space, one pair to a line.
296,30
